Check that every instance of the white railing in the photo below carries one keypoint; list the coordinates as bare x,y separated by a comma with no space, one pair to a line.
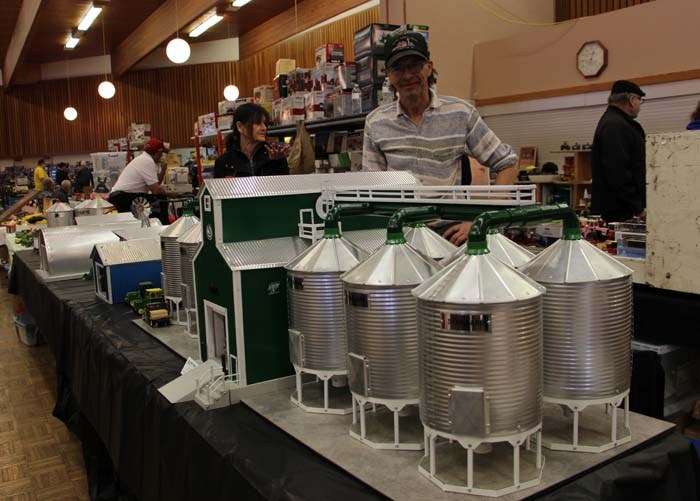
308,228
218,382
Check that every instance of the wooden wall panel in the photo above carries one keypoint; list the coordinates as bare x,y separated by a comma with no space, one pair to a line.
572,9
170,99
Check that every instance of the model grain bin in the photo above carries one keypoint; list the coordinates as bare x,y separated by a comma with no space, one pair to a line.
59,214
425,240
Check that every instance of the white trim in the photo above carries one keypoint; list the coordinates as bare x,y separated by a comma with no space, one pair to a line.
209,307
240,331
218,223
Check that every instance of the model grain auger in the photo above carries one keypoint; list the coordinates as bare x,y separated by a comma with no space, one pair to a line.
587,343
317,339
480,364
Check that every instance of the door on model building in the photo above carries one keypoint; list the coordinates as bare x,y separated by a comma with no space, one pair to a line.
217,330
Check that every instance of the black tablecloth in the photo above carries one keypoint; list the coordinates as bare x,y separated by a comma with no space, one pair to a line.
136,442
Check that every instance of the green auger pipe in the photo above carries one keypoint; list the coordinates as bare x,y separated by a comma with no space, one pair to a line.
520,216
330,228
394,229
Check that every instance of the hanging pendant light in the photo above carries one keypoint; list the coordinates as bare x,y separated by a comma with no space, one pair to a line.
231,92
106,89
177,50
70,113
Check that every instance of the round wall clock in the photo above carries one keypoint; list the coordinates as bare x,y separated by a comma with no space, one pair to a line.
591,59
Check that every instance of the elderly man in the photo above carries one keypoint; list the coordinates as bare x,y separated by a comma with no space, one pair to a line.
619,156
140,177
63,191
428,135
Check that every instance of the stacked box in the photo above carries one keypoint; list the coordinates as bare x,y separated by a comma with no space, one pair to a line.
371,93
207,123
324,77
299,80
370,39
416,28
330,53
122,144
279,87
345,75
293,108
341,103
264,94
243,100
139,133
112,144
370,69
277,111
284,66
226,107
224,122
315,102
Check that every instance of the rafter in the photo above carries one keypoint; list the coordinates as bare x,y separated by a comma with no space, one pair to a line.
23,30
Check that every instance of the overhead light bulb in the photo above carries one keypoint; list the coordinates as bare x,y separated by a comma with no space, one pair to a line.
178,50
70,113
72,42
239,3
208,23
89,18
231,92
106,89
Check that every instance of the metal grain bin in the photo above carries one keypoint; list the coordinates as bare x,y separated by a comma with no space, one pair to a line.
59,214
381,321
480,349
316,303
93,207
587,321
189,245
171,254
425,240
502,248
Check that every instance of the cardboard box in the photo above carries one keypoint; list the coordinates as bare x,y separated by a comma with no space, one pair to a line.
370,96
207,123
315,102
284,66
345,75
264,94
370,69
324,77
139,133
244,100
277,111
299,80
342,103
416,28
293,108
225,122
370,39
279,87
330,53
112,144
226,107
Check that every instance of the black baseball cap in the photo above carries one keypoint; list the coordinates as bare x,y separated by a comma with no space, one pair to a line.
625,86
405,43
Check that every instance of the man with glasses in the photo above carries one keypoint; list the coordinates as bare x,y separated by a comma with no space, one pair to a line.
428,135
619,156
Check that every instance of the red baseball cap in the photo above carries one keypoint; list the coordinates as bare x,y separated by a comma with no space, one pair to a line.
155,145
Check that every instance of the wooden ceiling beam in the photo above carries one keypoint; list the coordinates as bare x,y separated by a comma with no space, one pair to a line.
156,29
309,13
18,43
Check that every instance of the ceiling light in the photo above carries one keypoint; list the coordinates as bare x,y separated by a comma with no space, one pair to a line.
72,42
89,18
178,50
239,3
70,113
106,89
208,23
231,92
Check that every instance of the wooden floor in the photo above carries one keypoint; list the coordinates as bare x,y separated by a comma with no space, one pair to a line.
39,458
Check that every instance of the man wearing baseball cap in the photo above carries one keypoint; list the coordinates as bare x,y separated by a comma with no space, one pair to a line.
139,177
428,135
619,156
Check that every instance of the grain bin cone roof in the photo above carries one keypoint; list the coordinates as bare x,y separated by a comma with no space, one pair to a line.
95,203
508,251
393,265
478,279
425,240
191,236
180,227
328,255
574,261
59,207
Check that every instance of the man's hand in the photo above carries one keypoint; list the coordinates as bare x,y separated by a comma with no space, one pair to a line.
457,234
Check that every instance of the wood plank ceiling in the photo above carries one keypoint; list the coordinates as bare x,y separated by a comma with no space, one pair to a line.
9,9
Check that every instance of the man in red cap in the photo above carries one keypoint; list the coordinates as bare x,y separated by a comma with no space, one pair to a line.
139,177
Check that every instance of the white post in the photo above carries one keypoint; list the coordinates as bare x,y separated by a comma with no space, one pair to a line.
426,445
432,455
613,432
516,465
470,467
396,427
362,420
298,386
627,411
538,452
354,409
325,394
576,428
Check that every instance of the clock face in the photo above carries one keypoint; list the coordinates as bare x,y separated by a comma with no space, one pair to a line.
591,59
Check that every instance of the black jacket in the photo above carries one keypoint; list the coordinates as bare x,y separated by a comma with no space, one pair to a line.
234,163
82,179
619,166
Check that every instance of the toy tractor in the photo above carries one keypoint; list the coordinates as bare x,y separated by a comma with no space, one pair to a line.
140,298
157,313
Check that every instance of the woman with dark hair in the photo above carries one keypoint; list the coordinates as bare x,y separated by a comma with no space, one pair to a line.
247,152
695,119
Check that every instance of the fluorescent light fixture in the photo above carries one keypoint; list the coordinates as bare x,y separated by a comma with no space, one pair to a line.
239,3
89,18
206,24
72,42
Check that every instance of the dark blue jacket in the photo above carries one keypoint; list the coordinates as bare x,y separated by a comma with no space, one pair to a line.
694,125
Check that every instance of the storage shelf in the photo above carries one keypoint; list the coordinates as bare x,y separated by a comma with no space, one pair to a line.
569,152
340,123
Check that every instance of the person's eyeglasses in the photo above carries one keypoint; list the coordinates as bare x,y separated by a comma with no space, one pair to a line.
641,99
411,66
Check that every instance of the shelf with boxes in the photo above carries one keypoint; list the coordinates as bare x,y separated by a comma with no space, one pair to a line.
571,184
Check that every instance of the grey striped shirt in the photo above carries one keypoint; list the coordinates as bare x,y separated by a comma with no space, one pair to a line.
433,150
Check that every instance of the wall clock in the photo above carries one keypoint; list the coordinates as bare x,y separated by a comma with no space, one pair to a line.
591,59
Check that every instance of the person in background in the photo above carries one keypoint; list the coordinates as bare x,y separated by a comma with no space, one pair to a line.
83,178
63,191
695,119
61,172
40,174
618,156
139,177
247,151
428,135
